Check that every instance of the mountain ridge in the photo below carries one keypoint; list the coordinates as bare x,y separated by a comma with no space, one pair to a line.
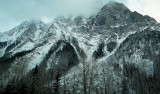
116,40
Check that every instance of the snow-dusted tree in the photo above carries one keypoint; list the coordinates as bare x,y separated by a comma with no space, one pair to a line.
84,76
35,85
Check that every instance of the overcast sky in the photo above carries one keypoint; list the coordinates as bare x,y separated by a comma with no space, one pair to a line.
13,12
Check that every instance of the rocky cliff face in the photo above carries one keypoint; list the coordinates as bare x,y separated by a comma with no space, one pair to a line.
117,51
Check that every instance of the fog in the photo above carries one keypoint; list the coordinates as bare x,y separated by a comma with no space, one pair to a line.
13,12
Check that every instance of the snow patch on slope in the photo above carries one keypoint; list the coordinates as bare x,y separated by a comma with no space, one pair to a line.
119,41
38,55
2,51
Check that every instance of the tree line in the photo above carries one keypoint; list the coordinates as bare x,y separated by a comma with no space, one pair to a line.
90,80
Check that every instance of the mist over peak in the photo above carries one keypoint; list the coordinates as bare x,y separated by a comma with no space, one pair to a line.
14,12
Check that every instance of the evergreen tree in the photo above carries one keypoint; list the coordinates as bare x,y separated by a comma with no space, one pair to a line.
23,89
124,86
35,81
57,83
11,87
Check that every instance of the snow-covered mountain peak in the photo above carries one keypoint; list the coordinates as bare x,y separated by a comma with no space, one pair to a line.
115,5
38,23
115,44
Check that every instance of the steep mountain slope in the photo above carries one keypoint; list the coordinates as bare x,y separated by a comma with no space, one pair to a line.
117,51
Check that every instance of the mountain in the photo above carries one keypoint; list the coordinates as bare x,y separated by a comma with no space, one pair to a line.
117,51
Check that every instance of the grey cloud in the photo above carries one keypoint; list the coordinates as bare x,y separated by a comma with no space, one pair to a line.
12,12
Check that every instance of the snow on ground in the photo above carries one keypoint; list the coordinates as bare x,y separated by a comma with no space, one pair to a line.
4,37
119,41
27,46
38,55
146,65
116,26
2,51
38,35
88,44
16,34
